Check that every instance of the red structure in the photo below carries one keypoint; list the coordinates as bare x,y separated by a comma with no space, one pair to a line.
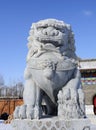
94,104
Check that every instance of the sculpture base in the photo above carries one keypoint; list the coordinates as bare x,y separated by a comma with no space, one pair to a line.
51,124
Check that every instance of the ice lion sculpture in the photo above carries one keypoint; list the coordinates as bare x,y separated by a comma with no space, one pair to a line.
51,73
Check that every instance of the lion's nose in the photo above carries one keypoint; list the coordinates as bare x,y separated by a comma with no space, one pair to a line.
50,31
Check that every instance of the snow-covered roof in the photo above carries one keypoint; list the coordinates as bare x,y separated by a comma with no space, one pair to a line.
87,64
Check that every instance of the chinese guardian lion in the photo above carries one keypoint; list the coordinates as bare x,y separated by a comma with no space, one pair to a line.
51,74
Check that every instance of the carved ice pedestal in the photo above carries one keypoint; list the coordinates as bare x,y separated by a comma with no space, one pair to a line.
51,124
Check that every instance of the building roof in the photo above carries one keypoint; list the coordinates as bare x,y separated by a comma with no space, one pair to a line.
87,64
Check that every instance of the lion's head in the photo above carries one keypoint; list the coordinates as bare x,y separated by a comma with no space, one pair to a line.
51,34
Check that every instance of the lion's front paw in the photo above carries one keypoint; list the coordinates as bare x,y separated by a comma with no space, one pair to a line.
27,112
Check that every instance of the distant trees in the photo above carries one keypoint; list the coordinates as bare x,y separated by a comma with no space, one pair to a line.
15,90
1,80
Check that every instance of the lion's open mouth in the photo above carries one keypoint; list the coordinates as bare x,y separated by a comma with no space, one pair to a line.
55,41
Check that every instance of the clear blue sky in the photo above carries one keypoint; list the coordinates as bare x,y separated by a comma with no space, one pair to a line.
16,17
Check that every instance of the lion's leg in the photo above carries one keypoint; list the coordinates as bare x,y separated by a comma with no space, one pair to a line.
29,94
31,97
71,99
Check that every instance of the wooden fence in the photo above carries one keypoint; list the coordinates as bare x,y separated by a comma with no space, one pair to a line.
8,104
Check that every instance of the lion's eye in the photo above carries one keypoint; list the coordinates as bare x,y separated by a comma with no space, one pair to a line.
41,28
63,30
57,28
44,27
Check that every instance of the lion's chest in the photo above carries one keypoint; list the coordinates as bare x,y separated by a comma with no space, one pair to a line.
51,62
51,70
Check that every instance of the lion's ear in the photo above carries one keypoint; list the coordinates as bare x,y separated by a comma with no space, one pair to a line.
71,45
71,41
